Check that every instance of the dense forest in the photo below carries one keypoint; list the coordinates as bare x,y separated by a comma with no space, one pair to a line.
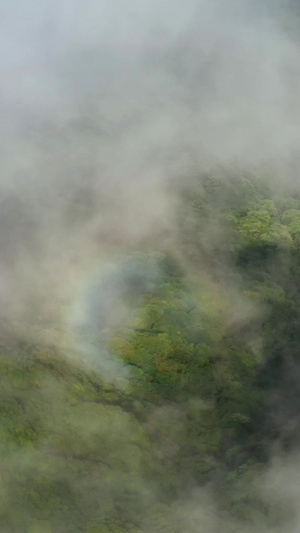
180,384
150,266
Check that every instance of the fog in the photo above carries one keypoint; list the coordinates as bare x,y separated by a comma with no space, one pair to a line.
115,101
107,108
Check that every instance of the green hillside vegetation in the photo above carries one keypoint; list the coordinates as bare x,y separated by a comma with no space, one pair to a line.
208,359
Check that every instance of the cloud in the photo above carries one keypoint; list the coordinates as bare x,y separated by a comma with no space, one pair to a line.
103,104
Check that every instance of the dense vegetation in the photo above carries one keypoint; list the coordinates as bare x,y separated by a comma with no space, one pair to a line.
174,439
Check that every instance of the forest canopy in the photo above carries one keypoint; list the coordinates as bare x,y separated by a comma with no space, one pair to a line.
177,435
